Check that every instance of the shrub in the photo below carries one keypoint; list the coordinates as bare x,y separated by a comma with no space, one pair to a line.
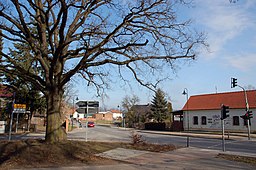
136,138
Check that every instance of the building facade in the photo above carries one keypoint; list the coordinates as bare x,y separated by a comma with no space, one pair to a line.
203,112
108,116
117,114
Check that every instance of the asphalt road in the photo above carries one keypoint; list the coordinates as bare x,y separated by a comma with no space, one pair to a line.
101,133
242,145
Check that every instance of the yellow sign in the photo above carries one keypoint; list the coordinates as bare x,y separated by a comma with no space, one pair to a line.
19,106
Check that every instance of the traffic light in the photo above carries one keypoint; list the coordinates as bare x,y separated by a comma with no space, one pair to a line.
224,112
249,114
233,82
246,115
243,116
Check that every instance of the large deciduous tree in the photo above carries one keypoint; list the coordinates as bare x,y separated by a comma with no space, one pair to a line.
86,37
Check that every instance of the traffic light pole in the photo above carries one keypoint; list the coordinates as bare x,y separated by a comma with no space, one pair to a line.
223,135
247,109
234,84
248,125
246,99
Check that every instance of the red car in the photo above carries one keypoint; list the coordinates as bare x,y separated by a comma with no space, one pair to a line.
91,124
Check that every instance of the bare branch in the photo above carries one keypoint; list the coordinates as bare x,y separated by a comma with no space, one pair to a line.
85,33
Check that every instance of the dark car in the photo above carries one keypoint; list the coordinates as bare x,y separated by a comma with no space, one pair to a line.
91,124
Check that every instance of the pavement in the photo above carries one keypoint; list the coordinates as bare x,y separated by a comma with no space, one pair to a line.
182,158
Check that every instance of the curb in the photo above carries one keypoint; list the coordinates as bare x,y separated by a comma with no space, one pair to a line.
197,135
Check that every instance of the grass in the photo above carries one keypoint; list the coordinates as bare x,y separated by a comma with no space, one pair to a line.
244,159
38,154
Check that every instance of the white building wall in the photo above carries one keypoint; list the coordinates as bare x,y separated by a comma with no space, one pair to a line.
117,115
77,115
213,121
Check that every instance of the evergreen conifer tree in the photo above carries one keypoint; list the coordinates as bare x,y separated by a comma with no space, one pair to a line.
159,106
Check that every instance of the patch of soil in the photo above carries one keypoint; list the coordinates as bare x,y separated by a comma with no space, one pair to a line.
245,159
150,147
38,154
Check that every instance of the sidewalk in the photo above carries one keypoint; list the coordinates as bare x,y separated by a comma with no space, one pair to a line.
183,158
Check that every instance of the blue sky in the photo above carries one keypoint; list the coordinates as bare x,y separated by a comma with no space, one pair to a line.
231,34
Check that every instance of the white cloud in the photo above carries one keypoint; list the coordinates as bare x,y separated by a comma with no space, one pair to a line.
223,21
244,62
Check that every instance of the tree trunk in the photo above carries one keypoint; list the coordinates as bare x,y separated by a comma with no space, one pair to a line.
55,132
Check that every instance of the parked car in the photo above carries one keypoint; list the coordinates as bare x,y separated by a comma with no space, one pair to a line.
91,124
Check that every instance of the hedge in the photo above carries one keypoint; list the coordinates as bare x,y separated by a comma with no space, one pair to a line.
154,126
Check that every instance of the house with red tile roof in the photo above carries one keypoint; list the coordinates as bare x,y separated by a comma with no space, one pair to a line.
203,112
117,114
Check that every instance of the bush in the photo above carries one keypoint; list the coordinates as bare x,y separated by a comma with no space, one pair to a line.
154,126
136,138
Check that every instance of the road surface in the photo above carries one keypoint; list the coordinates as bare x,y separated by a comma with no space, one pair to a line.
101,133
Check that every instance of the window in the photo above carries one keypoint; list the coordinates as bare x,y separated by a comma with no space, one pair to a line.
235,120
195,120
203,120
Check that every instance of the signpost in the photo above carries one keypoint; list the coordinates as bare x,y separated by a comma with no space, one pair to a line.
87,107
17,108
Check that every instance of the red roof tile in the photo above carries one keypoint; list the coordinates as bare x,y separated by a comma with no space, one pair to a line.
235,100
115,111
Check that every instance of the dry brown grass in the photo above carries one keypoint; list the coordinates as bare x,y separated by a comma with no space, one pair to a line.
245,159
37,153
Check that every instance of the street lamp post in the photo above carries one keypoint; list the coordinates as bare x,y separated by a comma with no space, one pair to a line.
185,92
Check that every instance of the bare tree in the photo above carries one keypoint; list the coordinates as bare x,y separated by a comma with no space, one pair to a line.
86,37
128,104
129,101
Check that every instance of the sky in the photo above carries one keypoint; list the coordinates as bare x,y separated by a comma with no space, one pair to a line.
231,35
